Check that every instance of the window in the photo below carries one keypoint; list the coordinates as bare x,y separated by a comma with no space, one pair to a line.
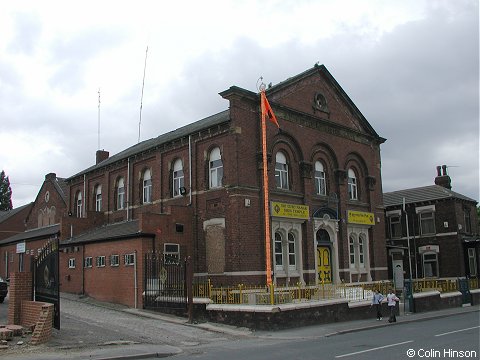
281,171
395,227
147,187
357,246
351,243
472,262
361,250
427,223
278,251
468,223
120,194
430,265
215,166
88,262
291,251
100,261
114,260
129,259
352,185
98,198
320,185
171,253
78,203
71,263
178,177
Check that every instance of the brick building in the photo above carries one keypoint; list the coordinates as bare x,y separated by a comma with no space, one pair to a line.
441,227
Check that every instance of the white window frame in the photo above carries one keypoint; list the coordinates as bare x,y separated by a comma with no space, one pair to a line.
278,250
98,198
424,219
71,263
171,253
397,224
428,261
178,177
472,261
292,251
114,260
129,259
147,187
320,182
352,185
121,194
100,261
351,250
215,166
361,250
281,171
88,262
79,204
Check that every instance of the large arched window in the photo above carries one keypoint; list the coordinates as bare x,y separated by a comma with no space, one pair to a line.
352,185
178,177
79,204
120,194
215,166
351,248
281,171
292,251
320,184
98,198
278,251
147,187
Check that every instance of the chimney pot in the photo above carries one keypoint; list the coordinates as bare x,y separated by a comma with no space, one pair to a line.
444,168
439,171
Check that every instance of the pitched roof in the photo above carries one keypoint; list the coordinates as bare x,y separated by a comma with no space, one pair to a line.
420,194
4,215
42,232
120,230
146,145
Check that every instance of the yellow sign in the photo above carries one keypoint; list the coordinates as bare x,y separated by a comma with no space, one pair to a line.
360,217
290,210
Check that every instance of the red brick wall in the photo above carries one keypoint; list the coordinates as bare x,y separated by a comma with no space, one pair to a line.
20,290
15,223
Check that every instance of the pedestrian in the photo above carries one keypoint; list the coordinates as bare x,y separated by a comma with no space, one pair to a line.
392,302
377,302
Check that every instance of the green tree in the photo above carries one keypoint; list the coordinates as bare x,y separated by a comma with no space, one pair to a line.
5,193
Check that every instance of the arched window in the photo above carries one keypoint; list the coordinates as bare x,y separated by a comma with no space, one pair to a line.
120,194
215,166
352,185
147,187
79,205
361,250
281,171
98,198
351,248
291,251
178,177
278,251
320,184
323,236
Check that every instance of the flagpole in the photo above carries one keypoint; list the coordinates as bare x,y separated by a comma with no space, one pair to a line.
266,208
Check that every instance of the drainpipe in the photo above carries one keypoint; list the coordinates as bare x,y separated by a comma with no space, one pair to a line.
128,189
84,194
135,276
190,167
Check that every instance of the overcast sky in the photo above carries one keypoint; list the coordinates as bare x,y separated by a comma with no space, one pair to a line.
410,66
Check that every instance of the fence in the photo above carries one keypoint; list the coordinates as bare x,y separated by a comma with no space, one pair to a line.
271,295
443,285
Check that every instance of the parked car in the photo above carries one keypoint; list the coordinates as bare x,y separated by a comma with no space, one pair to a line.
3,289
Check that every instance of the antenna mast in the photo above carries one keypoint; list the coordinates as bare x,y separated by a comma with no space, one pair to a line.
98,118
141,99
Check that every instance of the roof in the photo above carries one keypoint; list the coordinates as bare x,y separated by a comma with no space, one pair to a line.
4,215
42,232
146,145
62,187
421,194
120,230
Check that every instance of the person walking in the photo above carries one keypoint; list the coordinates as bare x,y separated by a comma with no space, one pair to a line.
377,302
392,302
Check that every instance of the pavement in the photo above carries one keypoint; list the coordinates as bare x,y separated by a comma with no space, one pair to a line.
61,350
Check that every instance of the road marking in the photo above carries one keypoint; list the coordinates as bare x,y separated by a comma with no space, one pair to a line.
451,332
373,349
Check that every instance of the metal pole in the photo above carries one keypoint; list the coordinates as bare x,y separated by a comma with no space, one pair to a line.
408,241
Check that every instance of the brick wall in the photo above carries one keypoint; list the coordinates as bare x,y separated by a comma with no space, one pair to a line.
43,326
20,290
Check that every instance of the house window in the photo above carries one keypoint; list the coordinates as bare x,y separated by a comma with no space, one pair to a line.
278,251
215,168
320,185
281,171
430,265
114,260
129,259
71,263
147,187
98,198
361,250
79,206
357,246
291,251
88,262
351,246
352,185
100,261
472,262
120,194
171,253
468,223
178,177
427,223
395,227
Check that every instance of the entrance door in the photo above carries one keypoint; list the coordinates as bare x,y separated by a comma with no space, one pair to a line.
398,274
324,265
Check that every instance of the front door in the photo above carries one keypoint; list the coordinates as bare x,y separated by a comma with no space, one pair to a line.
398,274
324,265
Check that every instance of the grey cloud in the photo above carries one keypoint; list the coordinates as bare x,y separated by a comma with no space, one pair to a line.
28,30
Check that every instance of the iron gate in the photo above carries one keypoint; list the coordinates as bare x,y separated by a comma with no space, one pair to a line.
164,283
46,283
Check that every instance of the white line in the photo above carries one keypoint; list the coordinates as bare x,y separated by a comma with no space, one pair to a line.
377,348
451,332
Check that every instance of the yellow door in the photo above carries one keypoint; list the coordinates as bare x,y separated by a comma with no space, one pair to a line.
324,265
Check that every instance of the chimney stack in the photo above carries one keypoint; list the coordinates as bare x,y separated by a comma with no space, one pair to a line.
442,178
101,155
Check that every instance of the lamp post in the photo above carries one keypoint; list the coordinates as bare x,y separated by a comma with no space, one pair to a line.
408,241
